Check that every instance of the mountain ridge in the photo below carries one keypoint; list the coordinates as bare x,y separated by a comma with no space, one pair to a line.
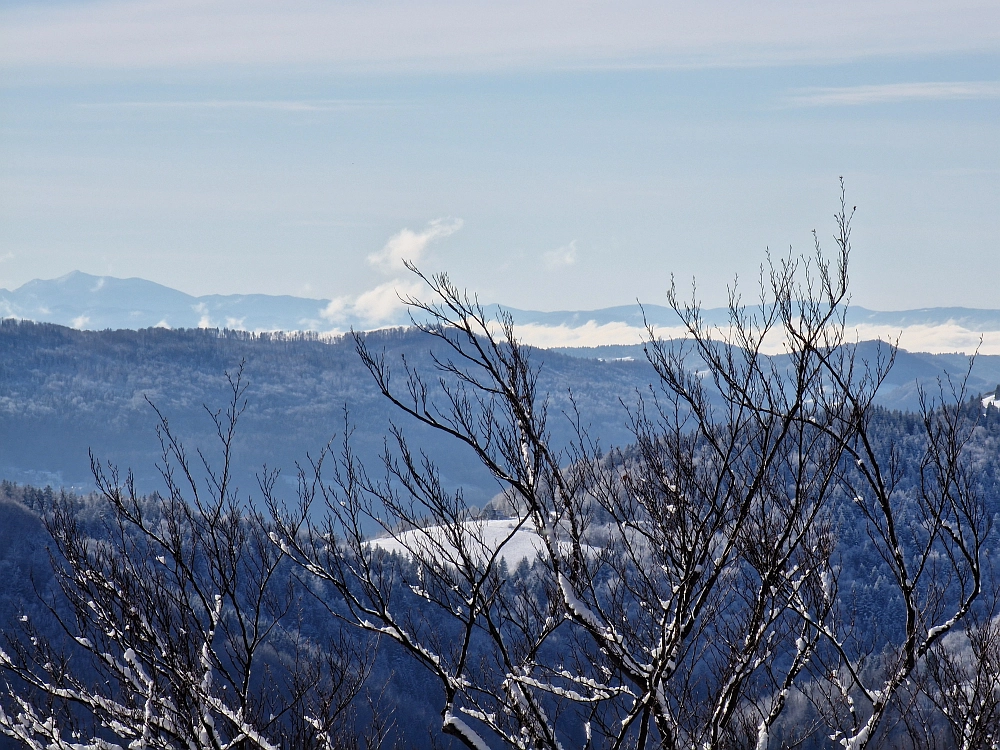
87,302
65,393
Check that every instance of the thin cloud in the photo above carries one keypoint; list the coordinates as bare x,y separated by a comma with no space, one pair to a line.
561,257
382,35
205,321
291,105
890,93
588,334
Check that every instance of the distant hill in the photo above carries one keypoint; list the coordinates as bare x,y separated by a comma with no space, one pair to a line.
95,303
86,302
64,392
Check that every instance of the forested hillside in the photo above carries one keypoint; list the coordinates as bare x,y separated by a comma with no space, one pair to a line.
64,392
749,547
404,693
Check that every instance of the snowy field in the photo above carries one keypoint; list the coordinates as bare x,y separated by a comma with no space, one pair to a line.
517,544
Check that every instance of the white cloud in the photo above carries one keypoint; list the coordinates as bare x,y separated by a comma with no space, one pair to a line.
382,304
379,306
387,35
337,310
410,245
561,257
202,309
80,322
513,546
936,339
894,92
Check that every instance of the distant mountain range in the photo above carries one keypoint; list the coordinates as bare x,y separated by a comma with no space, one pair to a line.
96,303
87,302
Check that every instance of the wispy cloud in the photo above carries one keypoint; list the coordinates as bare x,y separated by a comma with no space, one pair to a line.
889,93
286,105
450,34
561,257
588,334
383,304
205,321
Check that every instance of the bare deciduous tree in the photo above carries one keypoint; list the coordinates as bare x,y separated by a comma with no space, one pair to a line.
961,678
929,536
684,586
180,625
681,591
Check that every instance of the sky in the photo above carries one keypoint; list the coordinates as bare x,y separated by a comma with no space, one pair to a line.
547,154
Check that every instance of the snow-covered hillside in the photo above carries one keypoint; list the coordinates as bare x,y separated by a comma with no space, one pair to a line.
515,543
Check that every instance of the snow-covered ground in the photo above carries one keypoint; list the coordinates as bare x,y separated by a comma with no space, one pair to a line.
991,401
517,545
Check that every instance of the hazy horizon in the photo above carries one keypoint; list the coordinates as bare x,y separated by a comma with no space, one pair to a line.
87,302
549,155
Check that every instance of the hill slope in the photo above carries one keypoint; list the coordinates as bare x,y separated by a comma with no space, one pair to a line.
64,392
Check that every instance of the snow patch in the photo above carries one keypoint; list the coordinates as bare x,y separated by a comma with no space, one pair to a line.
525,544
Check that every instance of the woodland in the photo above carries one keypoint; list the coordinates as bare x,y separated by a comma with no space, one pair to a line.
761,555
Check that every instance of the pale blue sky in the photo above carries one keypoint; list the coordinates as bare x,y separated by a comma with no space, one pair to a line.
573,155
